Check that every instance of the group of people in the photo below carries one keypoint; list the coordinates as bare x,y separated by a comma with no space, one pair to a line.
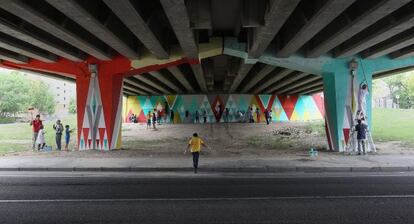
250,115
39,132
157,116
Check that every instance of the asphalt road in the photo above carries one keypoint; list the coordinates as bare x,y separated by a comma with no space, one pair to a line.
119,198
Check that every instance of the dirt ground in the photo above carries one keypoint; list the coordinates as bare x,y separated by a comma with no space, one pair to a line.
224,140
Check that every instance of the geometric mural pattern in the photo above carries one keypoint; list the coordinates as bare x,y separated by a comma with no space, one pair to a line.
284,108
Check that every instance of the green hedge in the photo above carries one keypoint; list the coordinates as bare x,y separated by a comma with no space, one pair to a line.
7,120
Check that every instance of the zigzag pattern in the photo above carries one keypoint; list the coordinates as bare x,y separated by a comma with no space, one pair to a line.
284,108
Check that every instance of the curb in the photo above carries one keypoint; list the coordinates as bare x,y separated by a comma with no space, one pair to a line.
266,169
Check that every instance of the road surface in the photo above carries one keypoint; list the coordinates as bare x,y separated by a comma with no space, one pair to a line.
129,198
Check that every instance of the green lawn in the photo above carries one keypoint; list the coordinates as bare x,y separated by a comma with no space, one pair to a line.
17,137
393,124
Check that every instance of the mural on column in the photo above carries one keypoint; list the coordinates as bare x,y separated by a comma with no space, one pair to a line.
284,108
94,129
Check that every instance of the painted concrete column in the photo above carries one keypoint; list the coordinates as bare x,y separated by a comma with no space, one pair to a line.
341,87
99,105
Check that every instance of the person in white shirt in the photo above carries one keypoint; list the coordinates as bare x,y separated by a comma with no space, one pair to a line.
40,141
362,102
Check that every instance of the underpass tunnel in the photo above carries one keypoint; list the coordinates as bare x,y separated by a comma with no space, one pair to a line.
208,55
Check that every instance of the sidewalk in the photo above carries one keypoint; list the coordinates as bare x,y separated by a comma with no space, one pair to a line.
325,163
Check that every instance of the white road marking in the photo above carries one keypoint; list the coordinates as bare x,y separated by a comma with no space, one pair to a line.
205,199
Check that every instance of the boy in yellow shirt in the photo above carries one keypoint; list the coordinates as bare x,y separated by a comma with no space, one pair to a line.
195,147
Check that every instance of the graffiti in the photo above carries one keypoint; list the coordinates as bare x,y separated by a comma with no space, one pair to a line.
283,108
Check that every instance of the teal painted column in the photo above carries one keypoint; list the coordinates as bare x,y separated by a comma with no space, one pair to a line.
337,94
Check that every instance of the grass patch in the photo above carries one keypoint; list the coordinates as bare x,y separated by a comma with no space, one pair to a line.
393,125
7,120
23,131
270,142
315,127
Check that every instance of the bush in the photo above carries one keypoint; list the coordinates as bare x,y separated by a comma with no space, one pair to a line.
7,120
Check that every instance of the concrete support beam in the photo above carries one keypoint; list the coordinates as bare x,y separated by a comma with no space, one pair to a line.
109,31
176,72
241,74
312,91
176,12
158,75
134,90
286,81
27,33
277,13
310,86
130,93
199,12
395,43
39,19
384,29
309,27
403,53
199,75
276,77
300,83
144,87
347,25
253,13
23,48
12,56
126,12
257,77
150,82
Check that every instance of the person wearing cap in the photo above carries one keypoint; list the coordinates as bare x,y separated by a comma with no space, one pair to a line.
59,130
36,123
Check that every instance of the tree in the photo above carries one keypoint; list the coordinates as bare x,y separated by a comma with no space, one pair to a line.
14,94
72,106
41,98
401,89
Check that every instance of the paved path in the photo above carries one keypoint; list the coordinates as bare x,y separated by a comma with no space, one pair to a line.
299,163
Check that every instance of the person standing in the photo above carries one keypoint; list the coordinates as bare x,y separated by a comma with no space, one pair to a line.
258,115
149,120
166,111
362,95
270,116
251,120
59,130
197,117
194,145
67,137
361,129
36,123
172,116
205,116
267,116
40,140
154,119
226,115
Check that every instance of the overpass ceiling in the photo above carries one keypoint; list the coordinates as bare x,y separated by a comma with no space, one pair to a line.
46,30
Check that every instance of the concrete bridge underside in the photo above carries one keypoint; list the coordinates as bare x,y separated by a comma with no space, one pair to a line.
166,47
